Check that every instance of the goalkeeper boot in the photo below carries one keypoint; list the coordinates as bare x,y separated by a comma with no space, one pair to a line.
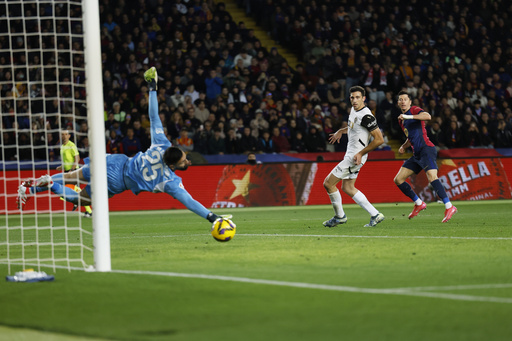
23,196
417,209
335,221
87,215
375,220
151,77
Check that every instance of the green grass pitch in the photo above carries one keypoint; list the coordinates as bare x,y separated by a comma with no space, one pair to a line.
283,277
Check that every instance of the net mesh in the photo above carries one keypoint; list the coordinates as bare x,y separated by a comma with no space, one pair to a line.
42,94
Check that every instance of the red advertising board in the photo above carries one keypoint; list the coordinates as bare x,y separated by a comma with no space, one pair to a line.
222,186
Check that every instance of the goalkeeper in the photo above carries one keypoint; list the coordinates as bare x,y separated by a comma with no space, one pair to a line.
151,171
70,161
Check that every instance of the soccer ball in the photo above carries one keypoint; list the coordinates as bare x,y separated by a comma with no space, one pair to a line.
223,230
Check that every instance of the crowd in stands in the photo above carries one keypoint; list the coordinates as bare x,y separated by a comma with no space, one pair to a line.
222,92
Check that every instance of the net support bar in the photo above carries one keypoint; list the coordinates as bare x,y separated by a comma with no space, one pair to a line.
101,225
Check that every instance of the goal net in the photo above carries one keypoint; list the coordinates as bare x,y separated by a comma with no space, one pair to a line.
45,90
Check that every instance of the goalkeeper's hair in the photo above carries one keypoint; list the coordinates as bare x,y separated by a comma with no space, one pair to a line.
172,155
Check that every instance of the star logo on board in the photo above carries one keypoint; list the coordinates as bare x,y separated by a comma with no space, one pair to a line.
243,186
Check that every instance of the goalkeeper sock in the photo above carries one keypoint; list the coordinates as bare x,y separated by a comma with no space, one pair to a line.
65,192
212,217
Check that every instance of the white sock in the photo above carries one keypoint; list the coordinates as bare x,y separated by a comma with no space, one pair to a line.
336,204
418,202
361,200
448,205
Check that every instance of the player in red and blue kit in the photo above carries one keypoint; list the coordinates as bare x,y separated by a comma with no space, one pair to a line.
412,120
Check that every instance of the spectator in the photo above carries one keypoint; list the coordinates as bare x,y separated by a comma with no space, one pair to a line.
453,136
503,135
216,144
131,144
251,159
472,136
141,134
184,141
335,93
258,124
248,142
114,144
202,137
376,83
232,142
175,125
201,112
314,141
213,86
280,142
192,92
298,145
244,57
265,143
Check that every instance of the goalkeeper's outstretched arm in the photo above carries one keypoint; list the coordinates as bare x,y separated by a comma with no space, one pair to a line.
186,199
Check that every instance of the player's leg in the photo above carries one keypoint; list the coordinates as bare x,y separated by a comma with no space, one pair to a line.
409,168
59,187
55,183
450,210
330,185
88,211
428,162
348,187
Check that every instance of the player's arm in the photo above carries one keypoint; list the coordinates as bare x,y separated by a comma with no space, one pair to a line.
178,192
335,137
370,123
404,146
422,116
76,164
157,130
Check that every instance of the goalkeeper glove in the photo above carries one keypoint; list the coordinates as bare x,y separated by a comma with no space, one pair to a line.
212,217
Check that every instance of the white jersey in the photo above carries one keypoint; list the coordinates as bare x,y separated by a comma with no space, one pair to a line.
360,124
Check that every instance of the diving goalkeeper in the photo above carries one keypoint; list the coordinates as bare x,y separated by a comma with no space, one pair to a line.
151,171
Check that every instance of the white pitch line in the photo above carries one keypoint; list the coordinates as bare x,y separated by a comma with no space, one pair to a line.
459,287
384,237
403,292
315,236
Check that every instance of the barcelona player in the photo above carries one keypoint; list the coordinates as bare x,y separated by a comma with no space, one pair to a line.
412,120
151,171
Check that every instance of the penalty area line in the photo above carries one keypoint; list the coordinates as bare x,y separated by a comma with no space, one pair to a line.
339,288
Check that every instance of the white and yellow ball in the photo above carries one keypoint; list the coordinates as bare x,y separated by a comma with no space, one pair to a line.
223,230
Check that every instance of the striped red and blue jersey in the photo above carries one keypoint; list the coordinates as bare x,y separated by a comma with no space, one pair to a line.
415,130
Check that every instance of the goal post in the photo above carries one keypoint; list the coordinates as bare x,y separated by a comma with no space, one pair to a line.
92,50
51,81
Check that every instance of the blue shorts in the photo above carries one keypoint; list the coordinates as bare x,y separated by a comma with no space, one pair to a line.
115,174
426,160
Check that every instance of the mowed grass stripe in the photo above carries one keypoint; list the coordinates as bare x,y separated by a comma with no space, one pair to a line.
413,291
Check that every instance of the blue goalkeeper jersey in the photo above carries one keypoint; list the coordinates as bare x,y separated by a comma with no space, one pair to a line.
147,171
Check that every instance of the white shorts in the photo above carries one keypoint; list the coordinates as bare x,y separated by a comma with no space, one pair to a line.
346,169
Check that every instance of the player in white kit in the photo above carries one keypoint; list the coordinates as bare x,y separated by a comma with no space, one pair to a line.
362,125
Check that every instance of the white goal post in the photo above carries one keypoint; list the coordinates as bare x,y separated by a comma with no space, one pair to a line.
42,93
